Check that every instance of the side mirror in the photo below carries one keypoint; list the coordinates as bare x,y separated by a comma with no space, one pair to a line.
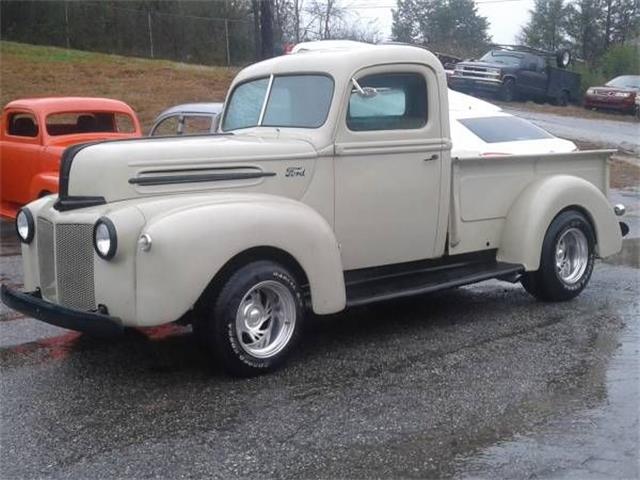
364,92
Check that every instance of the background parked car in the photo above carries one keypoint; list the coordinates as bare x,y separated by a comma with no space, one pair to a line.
479,128
617,94
35,132
187,119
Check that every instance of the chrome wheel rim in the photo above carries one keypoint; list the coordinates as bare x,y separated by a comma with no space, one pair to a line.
572,255
266,319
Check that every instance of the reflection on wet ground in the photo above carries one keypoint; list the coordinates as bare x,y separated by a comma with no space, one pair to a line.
475,382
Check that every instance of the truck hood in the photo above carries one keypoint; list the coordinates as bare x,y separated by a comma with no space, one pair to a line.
605,89
120,170
482,65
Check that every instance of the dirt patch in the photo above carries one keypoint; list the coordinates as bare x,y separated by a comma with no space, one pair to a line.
623,173
149,86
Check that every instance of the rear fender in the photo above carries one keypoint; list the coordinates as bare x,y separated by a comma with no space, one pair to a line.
540,202
191,244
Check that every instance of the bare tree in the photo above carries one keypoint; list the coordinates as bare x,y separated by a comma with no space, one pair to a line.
266,28
328,15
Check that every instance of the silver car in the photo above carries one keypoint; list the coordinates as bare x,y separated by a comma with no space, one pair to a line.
187,119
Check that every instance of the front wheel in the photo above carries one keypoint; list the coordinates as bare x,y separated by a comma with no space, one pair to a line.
255,321
566,262
508,90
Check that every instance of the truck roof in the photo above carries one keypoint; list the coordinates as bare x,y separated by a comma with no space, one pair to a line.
339,62
47,105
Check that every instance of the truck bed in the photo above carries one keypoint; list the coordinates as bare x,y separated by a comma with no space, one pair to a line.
485,188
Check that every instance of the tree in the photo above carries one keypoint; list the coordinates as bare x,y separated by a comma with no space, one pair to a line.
406,20
547,28
449,26
328,16
584,28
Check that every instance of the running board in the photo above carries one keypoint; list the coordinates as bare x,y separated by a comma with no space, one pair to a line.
418,282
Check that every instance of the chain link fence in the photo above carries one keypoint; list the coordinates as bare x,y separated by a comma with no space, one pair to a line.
120,29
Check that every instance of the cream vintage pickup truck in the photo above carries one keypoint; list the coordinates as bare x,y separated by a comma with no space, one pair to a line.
329,184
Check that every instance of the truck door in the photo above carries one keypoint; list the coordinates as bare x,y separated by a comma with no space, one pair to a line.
388,166
532,78
20,147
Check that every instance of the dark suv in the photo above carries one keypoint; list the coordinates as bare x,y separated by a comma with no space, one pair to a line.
519,72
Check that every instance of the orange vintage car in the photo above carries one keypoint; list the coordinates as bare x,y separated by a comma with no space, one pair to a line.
35,132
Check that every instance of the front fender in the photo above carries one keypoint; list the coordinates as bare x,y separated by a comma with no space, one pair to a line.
43,182
539,203
192,243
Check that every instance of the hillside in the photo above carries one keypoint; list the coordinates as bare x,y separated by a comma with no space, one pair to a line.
149,86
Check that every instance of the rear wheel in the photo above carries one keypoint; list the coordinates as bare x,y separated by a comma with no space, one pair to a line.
566,262
255,321
562,99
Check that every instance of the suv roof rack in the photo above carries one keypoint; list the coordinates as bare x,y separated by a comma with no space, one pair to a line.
521,48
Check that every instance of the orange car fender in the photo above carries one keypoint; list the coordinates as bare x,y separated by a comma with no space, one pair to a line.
43,184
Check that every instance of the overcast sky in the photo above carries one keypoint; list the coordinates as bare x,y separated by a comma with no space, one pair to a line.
506,17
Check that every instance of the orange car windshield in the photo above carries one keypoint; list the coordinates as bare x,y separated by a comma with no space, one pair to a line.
70,123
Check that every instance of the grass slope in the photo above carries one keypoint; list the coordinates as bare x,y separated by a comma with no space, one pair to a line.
149,86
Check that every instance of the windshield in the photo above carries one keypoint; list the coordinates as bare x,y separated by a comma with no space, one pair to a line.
500,56
625,81
300,101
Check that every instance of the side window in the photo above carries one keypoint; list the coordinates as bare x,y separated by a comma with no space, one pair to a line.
168,126
23,125
393,101
196,124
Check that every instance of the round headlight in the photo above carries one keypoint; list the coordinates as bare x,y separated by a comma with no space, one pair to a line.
105,240
25,227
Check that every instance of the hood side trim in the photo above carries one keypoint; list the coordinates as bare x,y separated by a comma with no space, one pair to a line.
206,177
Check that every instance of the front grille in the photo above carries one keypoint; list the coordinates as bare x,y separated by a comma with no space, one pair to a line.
46,260
474,69
74,266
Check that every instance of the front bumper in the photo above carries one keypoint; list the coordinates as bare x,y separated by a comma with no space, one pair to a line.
623,104
32,304
474,83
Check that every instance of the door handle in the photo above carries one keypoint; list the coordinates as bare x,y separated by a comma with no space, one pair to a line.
431,158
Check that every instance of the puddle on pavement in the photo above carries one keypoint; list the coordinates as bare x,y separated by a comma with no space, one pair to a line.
629,256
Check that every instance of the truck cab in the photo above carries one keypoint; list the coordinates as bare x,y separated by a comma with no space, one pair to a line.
329,184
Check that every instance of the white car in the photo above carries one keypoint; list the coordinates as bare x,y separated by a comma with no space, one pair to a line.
479,128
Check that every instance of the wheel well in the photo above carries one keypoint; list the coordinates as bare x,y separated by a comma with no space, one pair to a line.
587,215
44,193
258,253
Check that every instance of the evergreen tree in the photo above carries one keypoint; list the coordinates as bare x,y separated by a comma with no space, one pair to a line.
448,26
547,28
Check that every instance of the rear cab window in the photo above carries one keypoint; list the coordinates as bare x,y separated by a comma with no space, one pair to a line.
69,123
23,124
391,101
503,129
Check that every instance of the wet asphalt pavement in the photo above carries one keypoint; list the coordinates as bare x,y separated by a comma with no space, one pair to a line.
476,382
621,135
